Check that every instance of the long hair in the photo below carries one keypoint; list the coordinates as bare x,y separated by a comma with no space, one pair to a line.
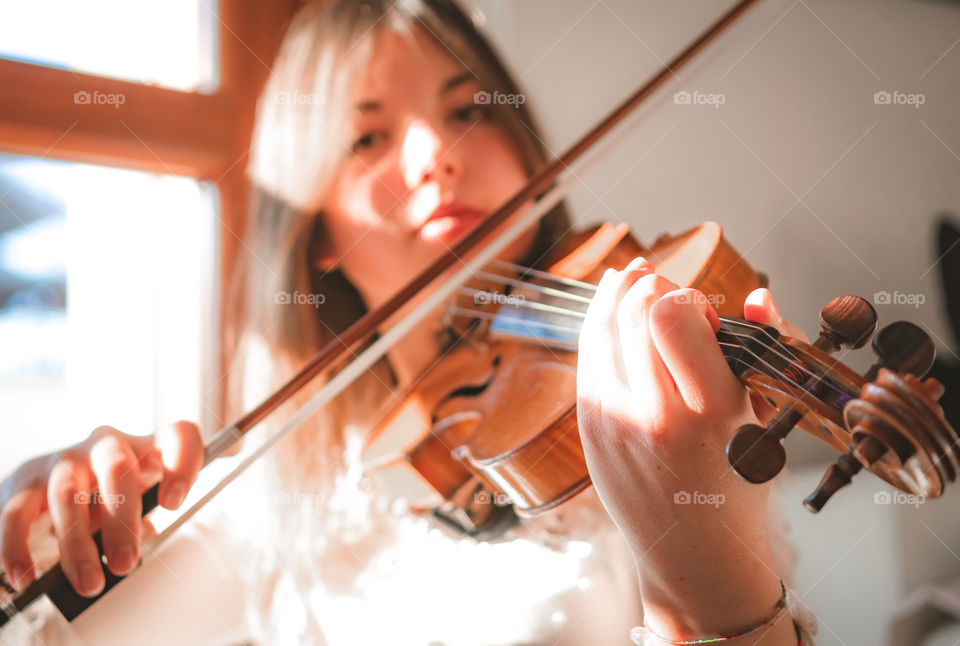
336,524
295,153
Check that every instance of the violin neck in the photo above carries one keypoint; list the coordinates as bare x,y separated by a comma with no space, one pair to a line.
743,343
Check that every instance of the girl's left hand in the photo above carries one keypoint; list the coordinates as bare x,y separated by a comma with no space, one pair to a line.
656,405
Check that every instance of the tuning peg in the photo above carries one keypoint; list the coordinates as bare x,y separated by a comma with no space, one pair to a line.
846,321
757,453
904,348
839,474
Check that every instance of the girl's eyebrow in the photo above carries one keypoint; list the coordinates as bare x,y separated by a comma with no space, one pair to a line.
448,85
459,79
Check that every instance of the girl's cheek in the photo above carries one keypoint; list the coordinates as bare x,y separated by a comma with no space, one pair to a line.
501,165
385,192
365,195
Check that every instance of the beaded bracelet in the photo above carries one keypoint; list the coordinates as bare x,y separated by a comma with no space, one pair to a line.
781,604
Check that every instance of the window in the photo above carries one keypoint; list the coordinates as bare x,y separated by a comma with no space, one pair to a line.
121,220
171,44
106,291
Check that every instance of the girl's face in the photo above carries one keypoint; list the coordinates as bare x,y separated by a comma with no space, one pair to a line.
426,165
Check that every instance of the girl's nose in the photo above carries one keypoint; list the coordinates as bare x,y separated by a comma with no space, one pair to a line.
425,156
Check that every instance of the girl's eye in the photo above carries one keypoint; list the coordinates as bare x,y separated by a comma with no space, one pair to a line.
470,113
368,140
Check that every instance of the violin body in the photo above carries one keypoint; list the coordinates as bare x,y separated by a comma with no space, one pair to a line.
499,410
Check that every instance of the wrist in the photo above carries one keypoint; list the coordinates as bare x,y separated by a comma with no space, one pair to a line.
689,607
708,582
700,542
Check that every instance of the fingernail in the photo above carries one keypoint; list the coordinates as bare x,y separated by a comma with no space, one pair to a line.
123,560
636,262
90,579
175,494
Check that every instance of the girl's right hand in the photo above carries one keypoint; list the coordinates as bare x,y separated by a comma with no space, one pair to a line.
120,468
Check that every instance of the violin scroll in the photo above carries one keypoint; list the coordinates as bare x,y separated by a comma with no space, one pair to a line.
887,420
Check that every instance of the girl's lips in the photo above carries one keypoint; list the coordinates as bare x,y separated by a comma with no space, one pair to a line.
448,224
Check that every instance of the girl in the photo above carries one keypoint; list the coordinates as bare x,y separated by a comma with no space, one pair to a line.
371,157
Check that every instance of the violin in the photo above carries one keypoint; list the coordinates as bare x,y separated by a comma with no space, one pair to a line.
499,410
500,437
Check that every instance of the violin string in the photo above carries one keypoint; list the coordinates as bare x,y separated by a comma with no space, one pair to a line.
530,271
470,313
583,285
467,312
532,305
550,291
760,364
783,377
779,376
772,345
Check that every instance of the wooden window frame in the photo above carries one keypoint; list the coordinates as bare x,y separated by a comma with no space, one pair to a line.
204,136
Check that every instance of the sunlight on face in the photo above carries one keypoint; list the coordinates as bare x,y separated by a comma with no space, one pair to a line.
420,149
426,164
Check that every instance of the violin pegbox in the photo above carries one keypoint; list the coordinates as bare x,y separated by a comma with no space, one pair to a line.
886,420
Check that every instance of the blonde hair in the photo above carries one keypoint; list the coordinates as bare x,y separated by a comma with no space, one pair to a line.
295,154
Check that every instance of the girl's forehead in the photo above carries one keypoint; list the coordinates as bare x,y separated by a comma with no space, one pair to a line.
405,61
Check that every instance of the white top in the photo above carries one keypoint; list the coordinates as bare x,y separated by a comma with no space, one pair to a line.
407,583
355,569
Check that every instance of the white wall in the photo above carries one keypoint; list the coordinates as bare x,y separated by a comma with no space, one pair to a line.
799,121
826,191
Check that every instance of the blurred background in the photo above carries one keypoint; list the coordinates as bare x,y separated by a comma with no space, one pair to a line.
822,134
